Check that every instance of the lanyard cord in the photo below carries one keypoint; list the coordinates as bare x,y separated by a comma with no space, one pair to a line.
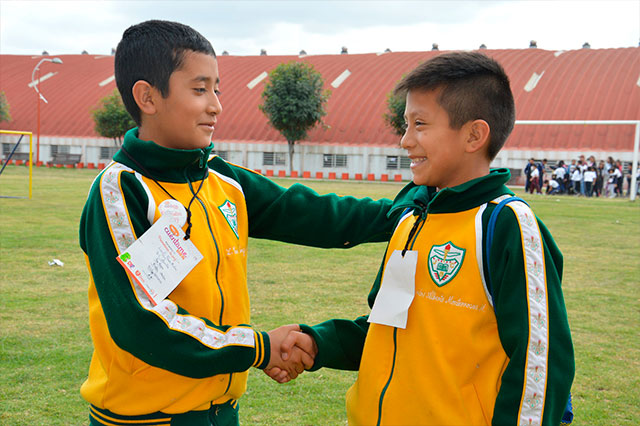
188,208
414,228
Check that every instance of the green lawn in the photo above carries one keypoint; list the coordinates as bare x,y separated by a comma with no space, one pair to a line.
44,336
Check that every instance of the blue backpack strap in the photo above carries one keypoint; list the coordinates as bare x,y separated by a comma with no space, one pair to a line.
567,416
489,232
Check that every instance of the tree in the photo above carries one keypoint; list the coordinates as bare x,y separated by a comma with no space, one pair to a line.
394,117
294,101
111,118
5,115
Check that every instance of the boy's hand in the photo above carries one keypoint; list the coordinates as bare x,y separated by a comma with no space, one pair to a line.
291,352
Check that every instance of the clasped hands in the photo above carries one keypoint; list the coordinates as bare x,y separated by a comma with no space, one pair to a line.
291,353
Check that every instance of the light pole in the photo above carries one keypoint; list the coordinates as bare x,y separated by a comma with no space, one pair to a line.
35,86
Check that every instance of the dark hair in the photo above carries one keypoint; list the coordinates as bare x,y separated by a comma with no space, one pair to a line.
152,51
474,86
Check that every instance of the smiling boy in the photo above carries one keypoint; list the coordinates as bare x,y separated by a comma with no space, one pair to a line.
183,359
454,339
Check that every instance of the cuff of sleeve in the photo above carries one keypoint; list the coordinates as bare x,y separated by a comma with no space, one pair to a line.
263,350
317,362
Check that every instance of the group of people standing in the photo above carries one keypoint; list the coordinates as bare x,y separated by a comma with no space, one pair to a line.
581,177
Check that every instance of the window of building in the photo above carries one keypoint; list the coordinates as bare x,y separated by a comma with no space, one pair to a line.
60,149
405,162
395,162
107,152
6,149
334,160
274,158
222,154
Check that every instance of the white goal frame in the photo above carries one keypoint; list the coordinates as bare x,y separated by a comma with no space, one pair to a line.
636,142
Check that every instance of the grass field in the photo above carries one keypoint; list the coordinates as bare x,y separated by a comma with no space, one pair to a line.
44,335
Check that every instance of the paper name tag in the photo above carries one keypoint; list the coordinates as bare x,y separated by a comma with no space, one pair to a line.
160,259
397,290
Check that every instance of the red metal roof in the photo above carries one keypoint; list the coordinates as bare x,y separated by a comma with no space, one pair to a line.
586,84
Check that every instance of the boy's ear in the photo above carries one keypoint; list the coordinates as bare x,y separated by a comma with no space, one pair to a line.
143,94
478,137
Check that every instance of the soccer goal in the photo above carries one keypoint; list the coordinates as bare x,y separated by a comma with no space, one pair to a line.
636,142
11,154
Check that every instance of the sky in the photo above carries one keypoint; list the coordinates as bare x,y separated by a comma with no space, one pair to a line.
324,27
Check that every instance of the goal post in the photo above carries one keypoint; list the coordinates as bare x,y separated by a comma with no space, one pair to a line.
29,161
636,142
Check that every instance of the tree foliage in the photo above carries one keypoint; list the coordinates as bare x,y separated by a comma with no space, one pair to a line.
5,115
294,101
394,117
111,118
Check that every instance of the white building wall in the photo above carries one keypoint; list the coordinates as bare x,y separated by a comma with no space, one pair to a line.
361,160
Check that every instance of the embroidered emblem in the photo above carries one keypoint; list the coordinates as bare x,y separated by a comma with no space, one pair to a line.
111,198
539,321
538,295
536,269
445,262
117,220
531,243
537,374
538,347
125,241
533,401
230,213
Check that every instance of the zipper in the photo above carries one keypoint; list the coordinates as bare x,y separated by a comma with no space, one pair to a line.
213,238
393,365
413,236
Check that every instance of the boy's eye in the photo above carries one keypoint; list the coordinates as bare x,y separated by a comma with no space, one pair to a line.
200,89
217,92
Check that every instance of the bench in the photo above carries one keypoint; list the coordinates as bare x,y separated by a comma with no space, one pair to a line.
17,156
64,159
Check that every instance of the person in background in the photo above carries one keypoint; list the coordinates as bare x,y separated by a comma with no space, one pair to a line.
590,176
534,184
576,178
559,176
527,173
600,179
552,186
620,182
612,182
541,168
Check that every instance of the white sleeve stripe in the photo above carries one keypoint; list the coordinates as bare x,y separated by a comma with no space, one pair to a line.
536,364
123,235
151,208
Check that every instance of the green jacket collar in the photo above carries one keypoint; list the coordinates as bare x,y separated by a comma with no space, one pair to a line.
164,164
456,199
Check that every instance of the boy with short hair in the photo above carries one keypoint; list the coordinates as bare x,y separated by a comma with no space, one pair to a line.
182,359
453,339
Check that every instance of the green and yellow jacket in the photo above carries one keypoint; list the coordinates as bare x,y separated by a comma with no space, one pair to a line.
195,347
468,355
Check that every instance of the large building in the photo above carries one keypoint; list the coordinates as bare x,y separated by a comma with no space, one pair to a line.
355,142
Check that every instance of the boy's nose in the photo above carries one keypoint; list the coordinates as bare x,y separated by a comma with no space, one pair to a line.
215,107
407,141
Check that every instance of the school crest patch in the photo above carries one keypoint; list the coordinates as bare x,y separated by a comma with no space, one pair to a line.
230,213
445,262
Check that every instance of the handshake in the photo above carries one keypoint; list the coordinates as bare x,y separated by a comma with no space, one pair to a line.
291,353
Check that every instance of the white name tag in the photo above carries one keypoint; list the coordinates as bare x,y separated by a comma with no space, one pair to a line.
160,259
397,290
